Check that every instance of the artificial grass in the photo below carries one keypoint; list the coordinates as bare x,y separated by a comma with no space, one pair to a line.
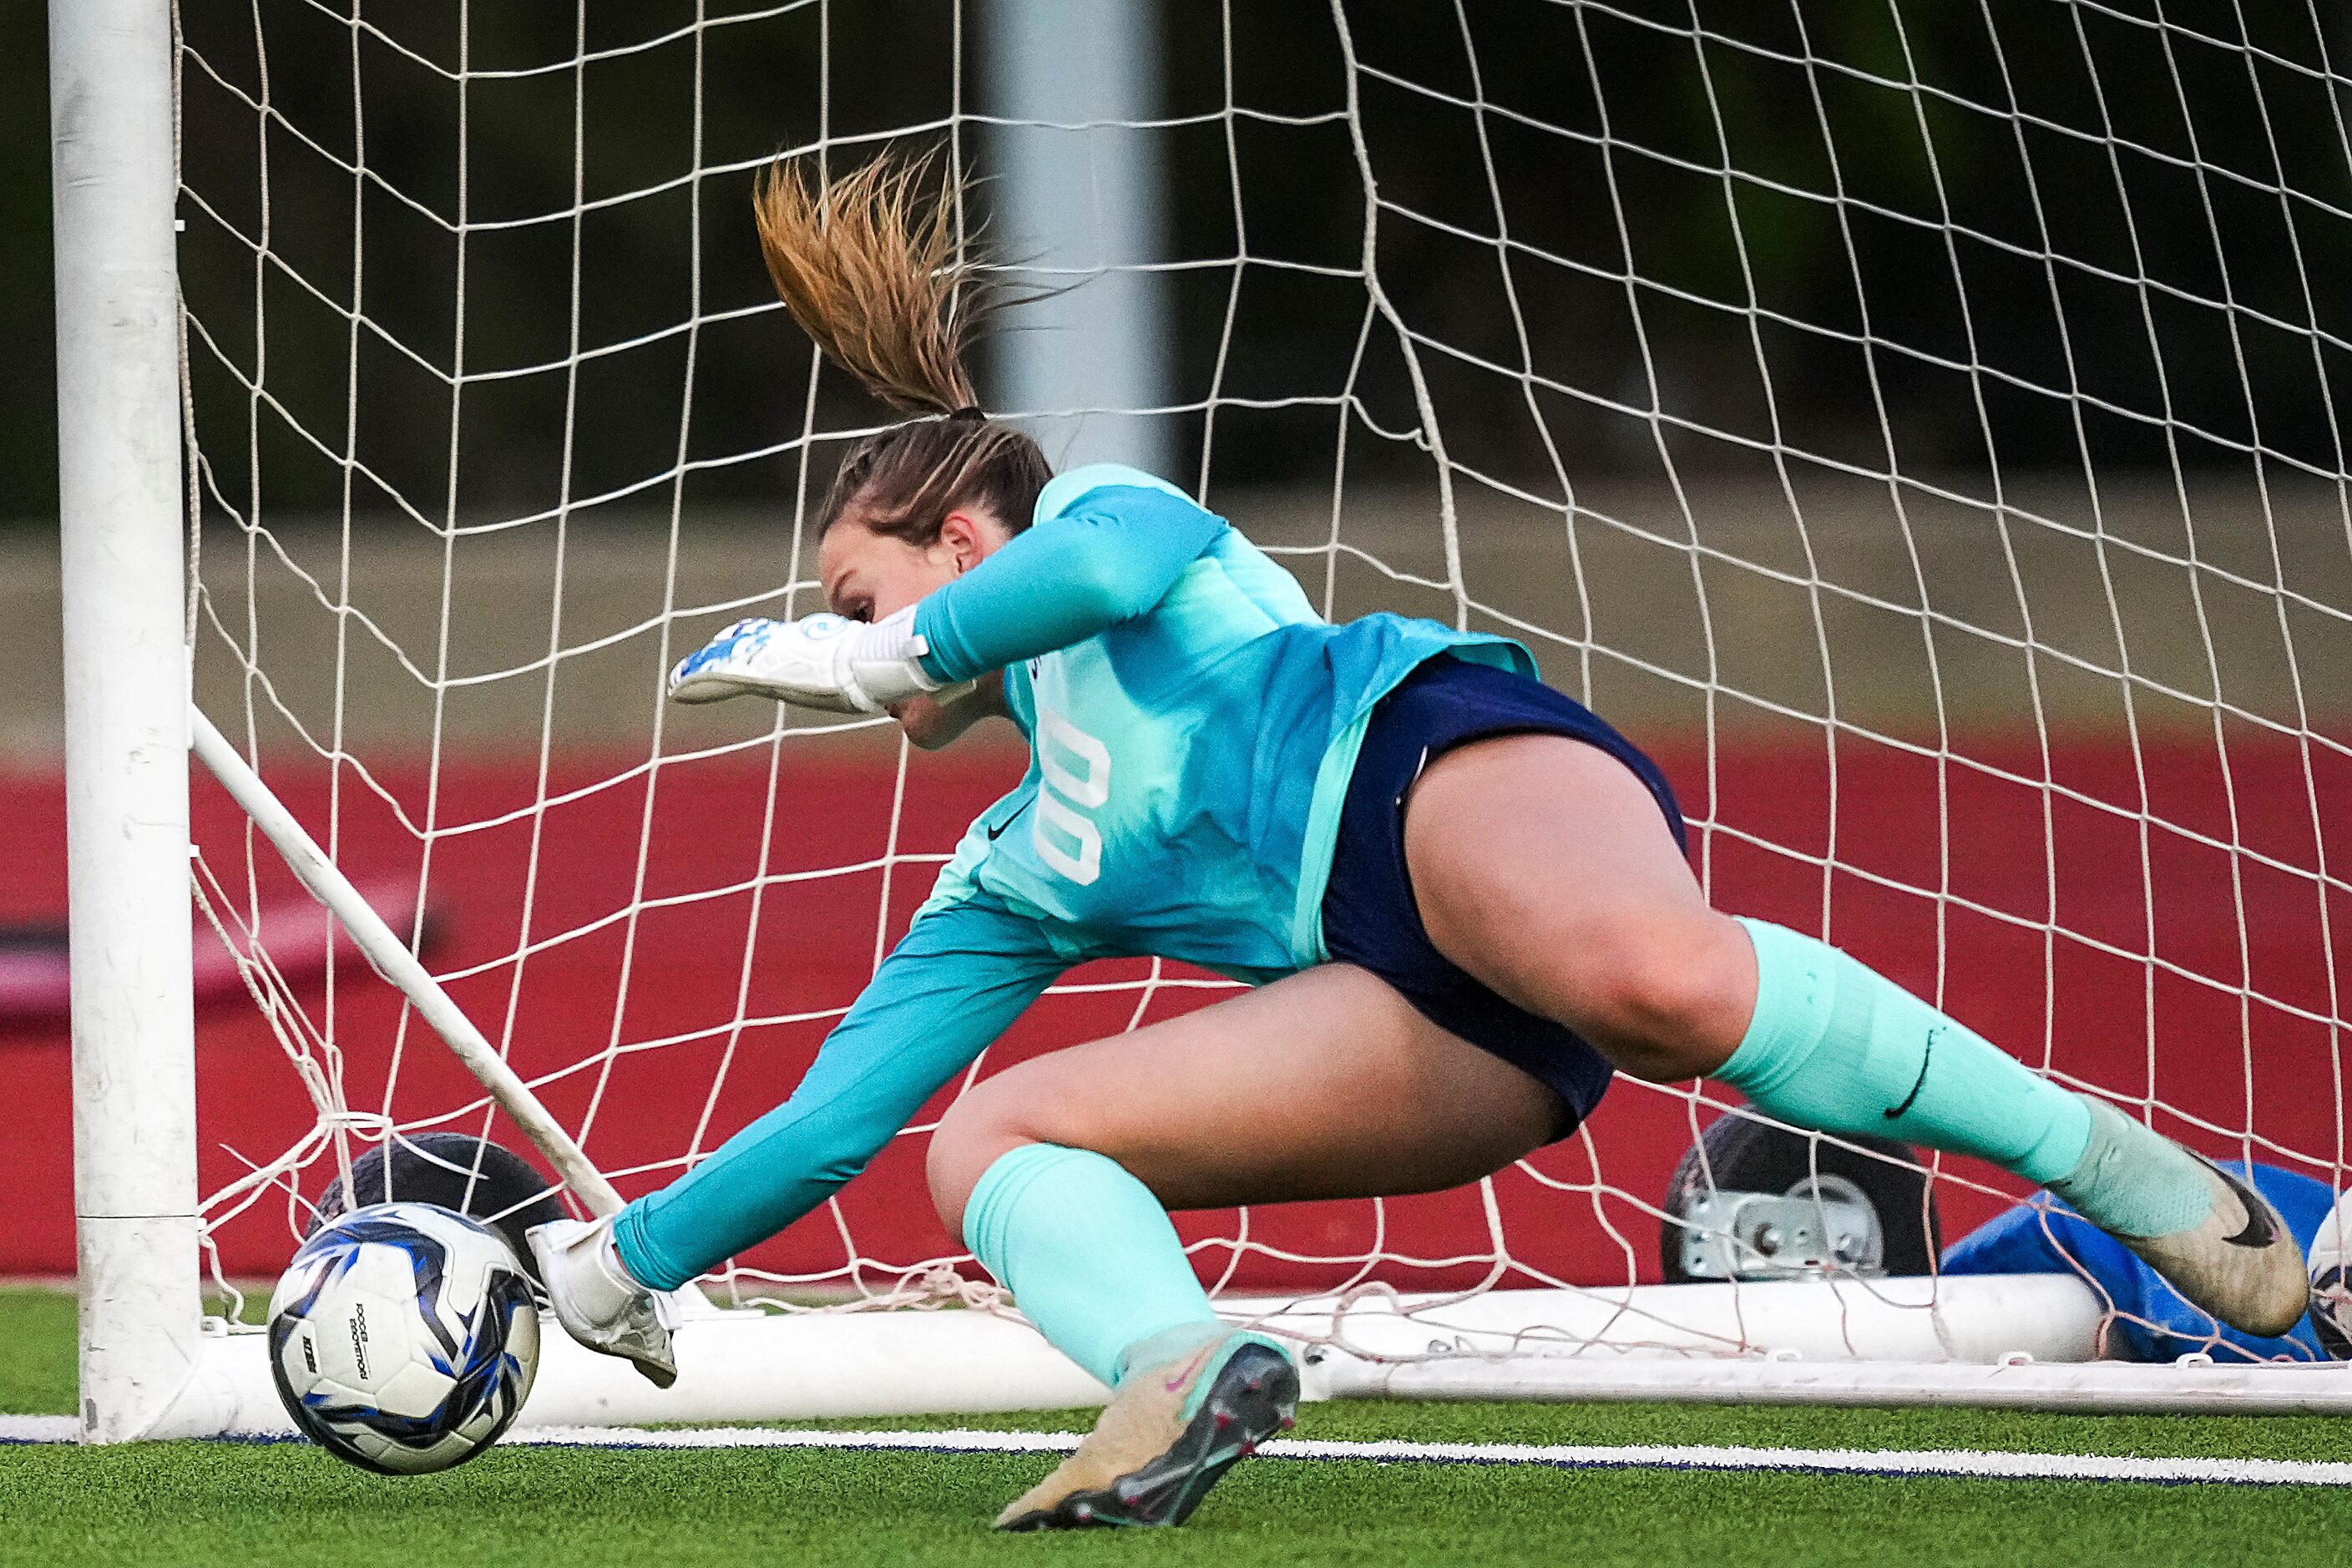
36,1351
220,1502
177,1503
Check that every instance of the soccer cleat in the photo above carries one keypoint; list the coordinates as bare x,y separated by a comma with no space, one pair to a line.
597,1303
1165,1439
2239,1262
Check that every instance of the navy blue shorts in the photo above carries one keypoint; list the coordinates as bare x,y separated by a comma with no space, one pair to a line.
1370,916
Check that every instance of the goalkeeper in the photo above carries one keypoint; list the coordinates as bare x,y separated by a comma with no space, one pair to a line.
1462,898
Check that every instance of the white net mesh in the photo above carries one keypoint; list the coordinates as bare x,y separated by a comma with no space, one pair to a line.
1915,424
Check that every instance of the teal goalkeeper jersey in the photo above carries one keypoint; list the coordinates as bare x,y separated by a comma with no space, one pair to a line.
1188,760
1191,723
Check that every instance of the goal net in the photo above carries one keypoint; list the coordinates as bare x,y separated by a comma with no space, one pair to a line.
1915,424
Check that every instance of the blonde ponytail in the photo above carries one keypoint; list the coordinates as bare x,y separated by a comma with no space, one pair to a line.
870,268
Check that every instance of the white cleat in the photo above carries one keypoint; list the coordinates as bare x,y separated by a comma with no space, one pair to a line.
2241,1263
2238,1261
596,1300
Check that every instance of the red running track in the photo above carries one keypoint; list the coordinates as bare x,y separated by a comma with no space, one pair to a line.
2250,1051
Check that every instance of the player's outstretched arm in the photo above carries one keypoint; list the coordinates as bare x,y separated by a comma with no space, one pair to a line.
1059,582
955,983
1109,558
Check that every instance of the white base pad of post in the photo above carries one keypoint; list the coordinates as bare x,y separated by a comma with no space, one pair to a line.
1977,1319
2022,1341
733,1367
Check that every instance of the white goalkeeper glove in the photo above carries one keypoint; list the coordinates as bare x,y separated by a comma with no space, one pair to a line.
821,661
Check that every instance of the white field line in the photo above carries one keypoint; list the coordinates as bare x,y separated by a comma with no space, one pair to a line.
1896,1462
1957,1462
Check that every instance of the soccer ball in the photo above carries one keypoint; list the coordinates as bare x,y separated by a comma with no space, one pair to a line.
403,1337
2331,1280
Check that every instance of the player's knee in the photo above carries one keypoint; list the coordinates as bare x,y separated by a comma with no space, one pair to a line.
1667,997
968,1140
983,1123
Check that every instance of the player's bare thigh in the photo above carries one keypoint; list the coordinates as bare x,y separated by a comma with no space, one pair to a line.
1542,866
1325,1084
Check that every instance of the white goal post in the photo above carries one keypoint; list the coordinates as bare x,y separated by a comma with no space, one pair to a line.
2022,609
120,529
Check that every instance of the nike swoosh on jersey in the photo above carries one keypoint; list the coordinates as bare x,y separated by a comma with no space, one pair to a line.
994,832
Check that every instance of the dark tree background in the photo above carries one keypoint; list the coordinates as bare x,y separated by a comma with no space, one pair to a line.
28,416
2192,312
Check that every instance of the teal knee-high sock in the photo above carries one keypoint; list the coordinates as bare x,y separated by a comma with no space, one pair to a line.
1089,1255
1835,1045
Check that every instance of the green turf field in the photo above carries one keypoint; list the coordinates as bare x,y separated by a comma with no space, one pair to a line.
188,1502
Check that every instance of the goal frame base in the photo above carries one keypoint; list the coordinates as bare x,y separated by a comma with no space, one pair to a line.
753,1366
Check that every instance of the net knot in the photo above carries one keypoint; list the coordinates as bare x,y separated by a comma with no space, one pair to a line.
941,1286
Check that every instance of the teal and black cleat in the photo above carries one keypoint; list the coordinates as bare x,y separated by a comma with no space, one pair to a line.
1164,1440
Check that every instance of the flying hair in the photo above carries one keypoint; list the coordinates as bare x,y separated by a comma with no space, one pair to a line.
870,268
